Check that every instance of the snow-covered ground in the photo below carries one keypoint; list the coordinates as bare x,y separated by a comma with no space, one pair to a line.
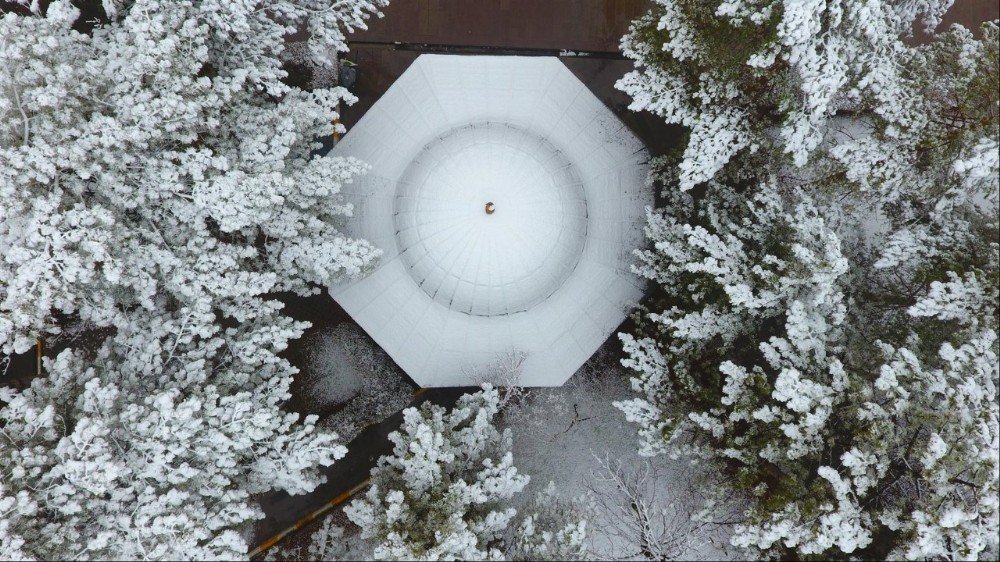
572,435
347,373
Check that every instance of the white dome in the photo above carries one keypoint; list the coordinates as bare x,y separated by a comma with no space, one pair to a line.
497,260
547,273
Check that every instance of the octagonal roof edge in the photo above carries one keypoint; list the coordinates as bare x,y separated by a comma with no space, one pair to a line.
434,344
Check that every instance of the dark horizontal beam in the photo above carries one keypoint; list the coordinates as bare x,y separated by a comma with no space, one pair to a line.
482,50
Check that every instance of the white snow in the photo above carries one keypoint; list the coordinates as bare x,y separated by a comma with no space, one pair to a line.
547,273
563,435
499,262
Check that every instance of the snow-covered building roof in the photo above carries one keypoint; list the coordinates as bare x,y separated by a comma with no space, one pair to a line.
507,199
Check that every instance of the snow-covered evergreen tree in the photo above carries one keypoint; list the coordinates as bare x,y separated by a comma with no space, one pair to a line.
762,77
160,162
554,529
158,179
446,492
154,448
327,543
827,268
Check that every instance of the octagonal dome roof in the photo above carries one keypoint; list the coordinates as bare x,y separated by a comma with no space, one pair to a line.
507,200
500,260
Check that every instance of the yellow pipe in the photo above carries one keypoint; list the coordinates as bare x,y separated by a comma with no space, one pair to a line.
309,518
264,546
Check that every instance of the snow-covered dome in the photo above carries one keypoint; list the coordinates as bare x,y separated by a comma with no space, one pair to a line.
507,201
490,219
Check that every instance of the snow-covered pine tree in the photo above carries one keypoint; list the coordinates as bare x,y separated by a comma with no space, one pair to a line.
153,448
824,324
446,492
554,529
327,543
158,179
763,77
160,161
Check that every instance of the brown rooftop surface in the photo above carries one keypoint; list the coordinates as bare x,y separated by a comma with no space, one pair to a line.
511,27
592,25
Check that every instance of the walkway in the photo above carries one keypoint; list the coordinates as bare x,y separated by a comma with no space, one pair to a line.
282,511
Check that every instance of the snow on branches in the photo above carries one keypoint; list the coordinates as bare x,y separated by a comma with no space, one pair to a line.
824,325
158,180
161,161
746,75
447,489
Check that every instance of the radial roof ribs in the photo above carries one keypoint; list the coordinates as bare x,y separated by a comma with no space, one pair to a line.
507,199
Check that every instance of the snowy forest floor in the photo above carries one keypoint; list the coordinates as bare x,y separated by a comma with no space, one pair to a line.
570,435
574,437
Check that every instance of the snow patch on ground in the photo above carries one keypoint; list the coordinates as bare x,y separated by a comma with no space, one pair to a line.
345,372
329,377
563,434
